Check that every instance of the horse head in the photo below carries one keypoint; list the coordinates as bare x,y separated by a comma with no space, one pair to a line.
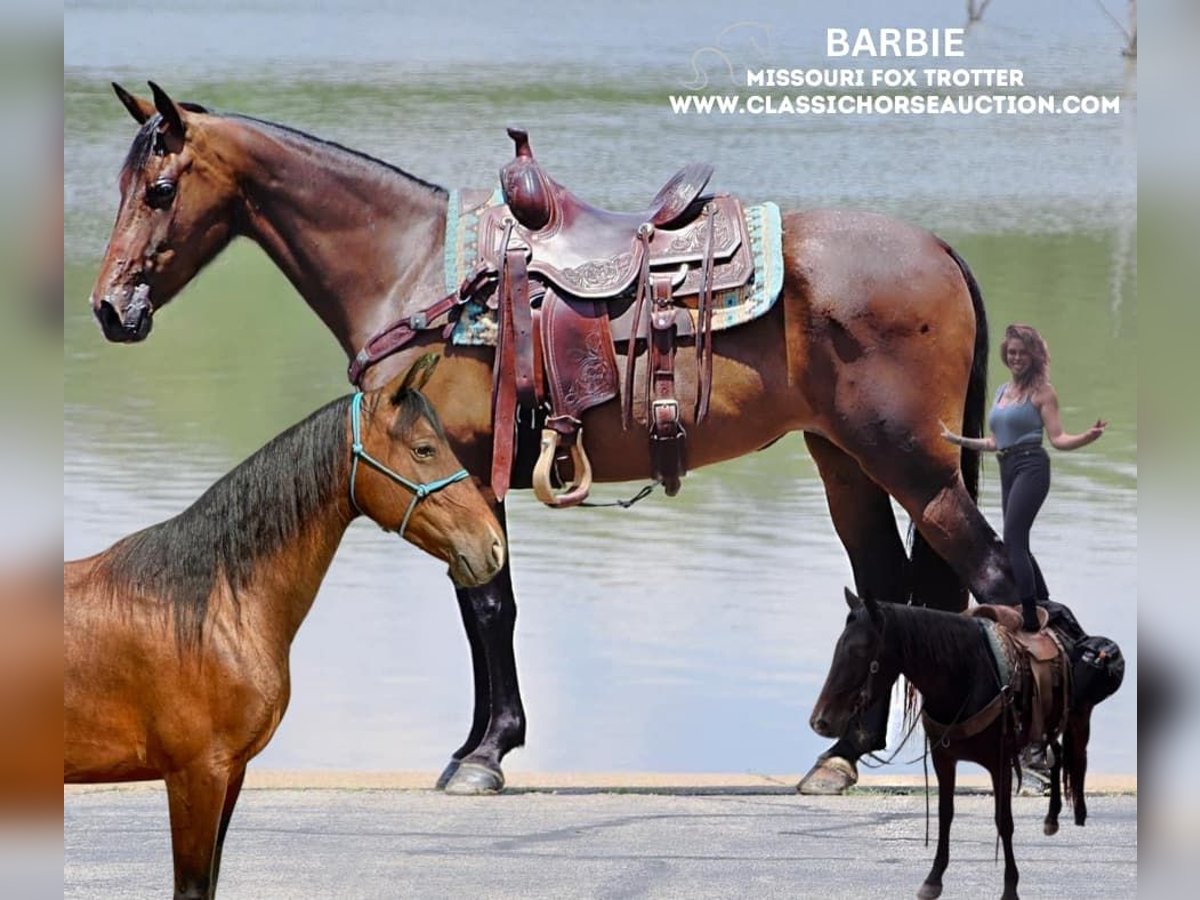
176,214
862,665
407,479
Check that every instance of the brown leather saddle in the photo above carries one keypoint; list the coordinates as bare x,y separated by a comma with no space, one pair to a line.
571,281
1040,670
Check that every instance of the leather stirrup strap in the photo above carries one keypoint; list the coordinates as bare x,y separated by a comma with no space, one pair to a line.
645,232
522,321
704,315
504,388
667,435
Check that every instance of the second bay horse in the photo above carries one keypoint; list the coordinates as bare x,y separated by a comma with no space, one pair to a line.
879,333
176,639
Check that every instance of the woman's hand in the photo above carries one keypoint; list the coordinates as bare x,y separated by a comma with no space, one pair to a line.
1096,430
948,435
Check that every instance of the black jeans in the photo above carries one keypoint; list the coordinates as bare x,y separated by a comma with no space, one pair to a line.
1024,484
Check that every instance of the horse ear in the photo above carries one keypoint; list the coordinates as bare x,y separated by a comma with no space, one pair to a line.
418,375
852,600
171,114
140,109
873,611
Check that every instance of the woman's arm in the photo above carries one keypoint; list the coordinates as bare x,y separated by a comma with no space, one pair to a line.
985,443
1046,401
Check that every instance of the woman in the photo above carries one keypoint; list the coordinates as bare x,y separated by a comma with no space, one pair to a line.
1024,407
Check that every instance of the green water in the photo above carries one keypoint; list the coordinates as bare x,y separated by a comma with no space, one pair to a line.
720,671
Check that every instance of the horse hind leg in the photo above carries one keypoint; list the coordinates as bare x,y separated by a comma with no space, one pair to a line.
950,523
946,769
195,799
863,518
1075,741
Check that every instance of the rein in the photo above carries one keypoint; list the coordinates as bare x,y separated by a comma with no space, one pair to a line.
357,453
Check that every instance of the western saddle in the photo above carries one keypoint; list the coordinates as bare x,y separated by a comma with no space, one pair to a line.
570,281
567,281
1039,675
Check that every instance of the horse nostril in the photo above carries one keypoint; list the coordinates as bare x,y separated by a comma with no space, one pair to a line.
498,554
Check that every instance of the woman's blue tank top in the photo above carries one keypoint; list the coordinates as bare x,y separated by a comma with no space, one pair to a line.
1017,423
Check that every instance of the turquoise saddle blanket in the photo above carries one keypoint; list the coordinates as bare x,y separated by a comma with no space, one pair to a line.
476,326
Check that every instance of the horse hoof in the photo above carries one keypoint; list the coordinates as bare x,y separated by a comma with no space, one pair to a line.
831,775
929,891
447,774
473,779
1049,828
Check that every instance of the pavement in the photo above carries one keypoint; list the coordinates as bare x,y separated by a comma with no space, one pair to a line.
623,835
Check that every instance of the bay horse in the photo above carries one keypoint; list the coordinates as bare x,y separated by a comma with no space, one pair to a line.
948,659
177,637
879,333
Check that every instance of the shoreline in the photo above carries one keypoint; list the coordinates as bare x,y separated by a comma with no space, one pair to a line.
1099,783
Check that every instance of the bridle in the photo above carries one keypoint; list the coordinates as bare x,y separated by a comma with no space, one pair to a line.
419,491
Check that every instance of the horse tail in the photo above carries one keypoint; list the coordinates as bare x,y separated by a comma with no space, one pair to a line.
931,580
976,402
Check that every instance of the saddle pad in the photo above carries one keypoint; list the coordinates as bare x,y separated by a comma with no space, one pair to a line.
476,326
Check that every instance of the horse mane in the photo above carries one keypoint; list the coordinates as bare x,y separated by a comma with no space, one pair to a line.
916,630
143,145
251,512
334,145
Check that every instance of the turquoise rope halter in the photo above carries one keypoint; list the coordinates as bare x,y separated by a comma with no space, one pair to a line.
419,491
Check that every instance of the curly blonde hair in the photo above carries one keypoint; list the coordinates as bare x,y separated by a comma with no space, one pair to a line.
1038,372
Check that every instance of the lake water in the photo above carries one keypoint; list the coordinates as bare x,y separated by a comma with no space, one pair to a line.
719,674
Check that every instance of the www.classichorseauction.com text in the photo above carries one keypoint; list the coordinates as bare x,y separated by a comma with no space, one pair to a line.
893,90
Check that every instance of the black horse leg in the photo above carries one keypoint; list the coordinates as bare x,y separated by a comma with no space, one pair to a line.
489,615
482,713
1002,787
1050,825
863,518
946,768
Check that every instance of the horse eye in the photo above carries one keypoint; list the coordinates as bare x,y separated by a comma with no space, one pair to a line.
160,194
424,451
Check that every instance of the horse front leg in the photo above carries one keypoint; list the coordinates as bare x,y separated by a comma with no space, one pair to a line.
946,769
232,792
862,516
1050,825
489,615
482,713
195,798
1002,788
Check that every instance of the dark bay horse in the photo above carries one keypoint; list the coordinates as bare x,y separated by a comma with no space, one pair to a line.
177,638
879,333
948,659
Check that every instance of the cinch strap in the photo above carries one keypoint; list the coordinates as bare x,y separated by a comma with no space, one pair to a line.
420,491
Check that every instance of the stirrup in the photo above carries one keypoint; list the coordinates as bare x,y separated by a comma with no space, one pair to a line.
578,490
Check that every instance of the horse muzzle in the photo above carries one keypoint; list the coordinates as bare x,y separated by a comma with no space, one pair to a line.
129,324
469,571
828,722
821,725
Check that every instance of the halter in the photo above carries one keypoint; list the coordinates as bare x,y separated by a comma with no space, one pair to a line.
420,491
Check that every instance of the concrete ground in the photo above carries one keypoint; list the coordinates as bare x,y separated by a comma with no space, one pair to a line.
324,835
